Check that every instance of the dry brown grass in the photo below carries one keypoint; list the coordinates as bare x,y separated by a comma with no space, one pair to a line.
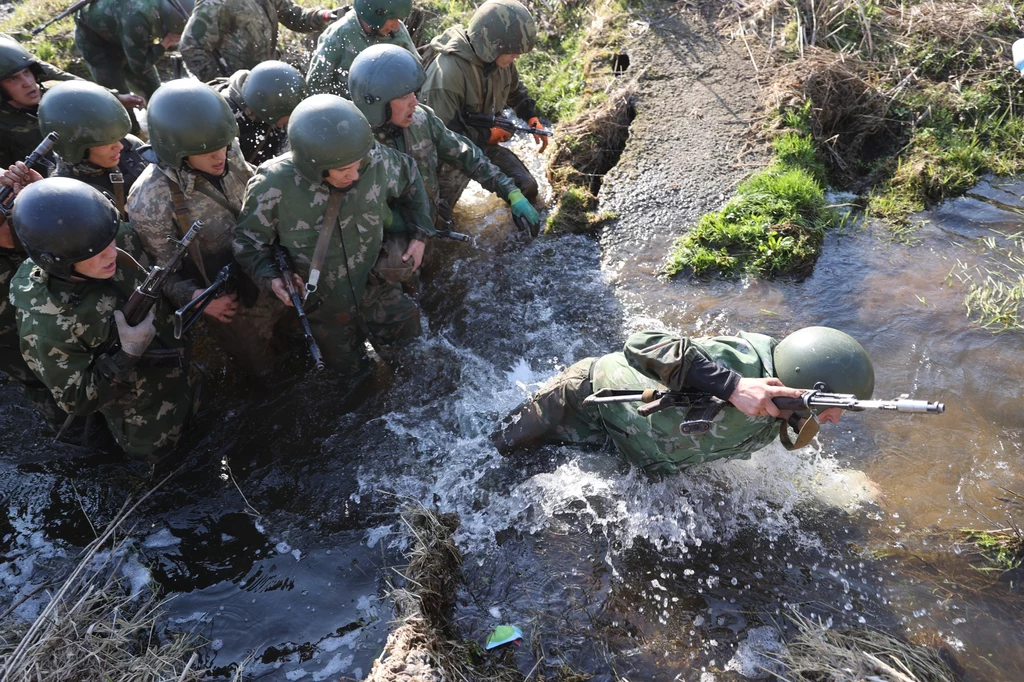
816,654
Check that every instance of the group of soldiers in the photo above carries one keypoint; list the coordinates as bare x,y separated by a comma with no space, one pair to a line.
344,168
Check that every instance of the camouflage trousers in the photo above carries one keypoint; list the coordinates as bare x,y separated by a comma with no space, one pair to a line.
148,422
249,336
109,65
452,182
556,414
13,365
389,318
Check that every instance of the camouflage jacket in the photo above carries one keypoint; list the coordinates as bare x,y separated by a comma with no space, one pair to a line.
19,133
152,211
281,204
135,25
62,325
429,142
258,141
459,81
130,167
10,260
338,46
241,32
659,360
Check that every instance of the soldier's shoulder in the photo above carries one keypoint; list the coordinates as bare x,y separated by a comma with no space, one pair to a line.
30,291
153,185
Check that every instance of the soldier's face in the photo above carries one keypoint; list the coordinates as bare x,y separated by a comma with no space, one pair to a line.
344,176
22,89
213,163
402,110
101,266
283,121
107,156
504,61
390,26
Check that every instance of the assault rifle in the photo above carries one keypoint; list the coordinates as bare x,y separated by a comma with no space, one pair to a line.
69,11
488,121
285,266
35,160
225,282
656,400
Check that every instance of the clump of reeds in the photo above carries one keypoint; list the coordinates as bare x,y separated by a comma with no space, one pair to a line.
818,654
94,629
999,550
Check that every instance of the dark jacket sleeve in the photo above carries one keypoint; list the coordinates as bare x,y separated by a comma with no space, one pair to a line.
676,362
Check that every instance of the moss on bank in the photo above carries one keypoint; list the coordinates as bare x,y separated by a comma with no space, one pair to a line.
774,225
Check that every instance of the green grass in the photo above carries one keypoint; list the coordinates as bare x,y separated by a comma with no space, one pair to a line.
1001,550
56,44
774,225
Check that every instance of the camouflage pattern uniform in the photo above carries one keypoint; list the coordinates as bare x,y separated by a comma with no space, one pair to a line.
259,141
11,362
655,443
119,41
242,32
338,46
459,81
63,323
151,207
281,204
130,168
429,142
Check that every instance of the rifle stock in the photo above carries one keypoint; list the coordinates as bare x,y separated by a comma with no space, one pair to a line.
488,121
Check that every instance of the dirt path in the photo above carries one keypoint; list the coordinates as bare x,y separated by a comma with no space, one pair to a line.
688,146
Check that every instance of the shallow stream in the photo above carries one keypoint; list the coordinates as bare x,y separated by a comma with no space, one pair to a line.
278,543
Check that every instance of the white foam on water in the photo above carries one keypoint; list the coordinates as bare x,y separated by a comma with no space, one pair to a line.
751,659
28,546
163,538
337,664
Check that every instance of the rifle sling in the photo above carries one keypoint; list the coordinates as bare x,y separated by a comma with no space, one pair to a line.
181,218
323,242
117,183
808,430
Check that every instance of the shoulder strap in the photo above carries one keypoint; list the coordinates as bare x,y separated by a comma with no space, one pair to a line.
324,241
117,183
181,218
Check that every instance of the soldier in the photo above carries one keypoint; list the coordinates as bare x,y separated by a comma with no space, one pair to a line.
262,100
374,22
336,177
121,40
201,175
68,296
93,140
475,72
747,371
21,88
384,81
224,36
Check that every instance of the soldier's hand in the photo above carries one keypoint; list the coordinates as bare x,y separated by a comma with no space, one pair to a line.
281,291
170,40
329,15
131,101
499,135
414,252
18,176
753,397
542,140
135,340
222,308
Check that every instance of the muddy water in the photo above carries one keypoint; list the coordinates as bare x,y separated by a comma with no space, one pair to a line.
279,542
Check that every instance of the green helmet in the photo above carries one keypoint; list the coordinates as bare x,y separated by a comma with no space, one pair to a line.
63,221
501,27
327,131
188,118
83,115
375,13
174,14
379,74
822,355
14,58
272,89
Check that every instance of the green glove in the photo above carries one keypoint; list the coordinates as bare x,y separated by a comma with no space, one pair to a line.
521,208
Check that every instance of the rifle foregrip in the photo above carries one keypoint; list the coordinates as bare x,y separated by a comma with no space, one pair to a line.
137,307
792,404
